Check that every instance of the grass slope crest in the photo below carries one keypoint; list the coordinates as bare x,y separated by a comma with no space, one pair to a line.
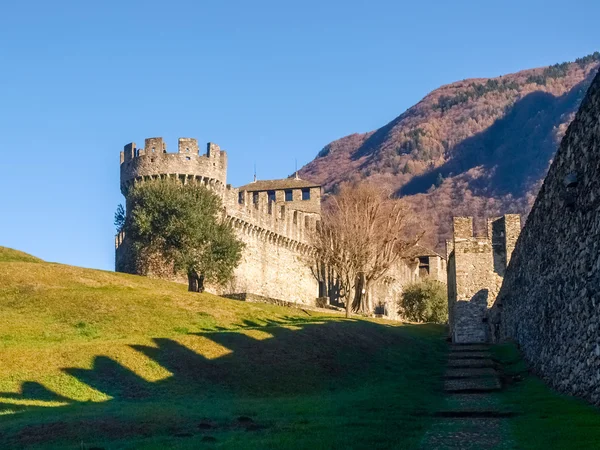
11,255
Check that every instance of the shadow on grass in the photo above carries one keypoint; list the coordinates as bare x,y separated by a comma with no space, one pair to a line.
308,358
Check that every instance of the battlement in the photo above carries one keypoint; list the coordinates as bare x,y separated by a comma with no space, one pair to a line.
260,214
153,161
499,230
282,211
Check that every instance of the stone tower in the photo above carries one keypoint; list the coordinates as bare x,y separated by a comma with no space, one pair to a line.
476,267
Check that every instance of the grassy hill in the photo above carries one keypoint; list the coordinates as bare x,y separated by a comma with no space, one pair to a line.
99,360
93,359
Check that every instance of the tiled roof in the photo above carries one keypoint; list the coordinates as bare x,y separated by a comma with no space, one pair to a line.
419,250
274,185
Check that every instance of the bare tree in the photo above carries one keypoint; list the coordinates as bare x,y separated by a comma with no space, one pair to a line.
360,236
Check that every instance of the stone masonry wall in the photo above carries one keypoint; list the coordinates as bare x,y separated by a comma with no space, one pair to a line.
272,269
550,299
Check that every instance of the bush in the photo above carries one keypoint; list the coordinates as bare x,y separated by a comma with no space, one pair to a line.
425,301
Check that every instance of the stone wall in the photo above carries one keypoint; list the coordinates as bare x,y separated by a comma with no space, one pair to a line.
273,267
550,299
476,266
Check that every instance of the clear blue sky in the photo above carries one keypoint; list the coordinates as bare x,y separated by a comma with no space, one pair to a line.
270,81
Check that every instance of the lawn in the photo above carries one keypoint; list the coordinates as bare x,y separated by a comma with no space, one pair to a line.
92,359
544,418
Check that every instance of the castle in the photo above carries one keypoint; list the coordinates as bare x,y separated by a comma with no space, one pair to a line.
274,219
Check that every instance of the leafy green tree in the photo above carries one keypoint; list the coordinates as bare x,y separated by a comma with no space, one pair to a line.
183,224
425,301
119,218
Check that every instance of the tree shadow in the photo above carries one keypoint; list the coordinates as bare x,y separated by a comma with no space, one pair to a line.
514,151
309,357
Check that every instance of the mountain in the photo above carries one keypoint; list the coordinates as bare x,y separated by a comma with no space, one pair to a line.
477,147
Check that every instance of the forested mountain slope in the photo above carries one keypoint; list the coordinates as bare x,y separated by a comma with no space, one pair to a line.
476,147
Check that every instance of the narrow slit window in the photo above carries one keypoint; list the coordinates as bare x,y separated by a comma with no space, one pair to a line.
241,198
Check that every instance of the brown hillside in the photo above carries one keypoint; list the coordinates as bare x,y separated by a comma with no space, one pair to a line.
475,147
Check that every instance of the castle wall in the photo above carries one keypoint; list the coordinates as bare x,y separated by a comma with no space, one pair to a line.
386,294
273,269
476,267
549,302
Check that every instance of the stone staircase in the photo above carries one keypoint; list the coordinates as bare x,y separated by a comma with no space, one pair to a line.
472,416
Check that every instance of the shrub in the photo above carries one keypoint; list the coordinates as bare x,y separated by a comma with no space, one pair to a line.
425,301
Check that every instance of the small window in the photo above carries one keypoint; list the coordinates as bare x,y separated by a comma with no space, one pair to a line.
289,195
255,198
306,194
151,159
153,149
187,150
271,196
241,198
188,158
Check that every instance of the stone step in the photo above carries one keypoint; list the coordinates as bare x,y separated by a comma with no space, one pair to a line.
469,347
489,384
476,413
468,352
469,372
472,363
469,434
473,402
469,355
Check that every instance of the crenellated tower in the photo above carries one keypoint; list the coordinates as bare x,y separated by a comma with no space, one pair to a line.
476,267
188,164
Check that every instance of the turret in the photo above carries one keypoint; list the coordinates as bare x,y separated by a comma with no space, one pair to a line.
155,145
188,146
187,164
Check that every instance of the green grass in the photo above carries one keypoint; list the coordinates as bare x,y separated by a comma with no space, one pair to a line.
98,359
545,419
10,255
